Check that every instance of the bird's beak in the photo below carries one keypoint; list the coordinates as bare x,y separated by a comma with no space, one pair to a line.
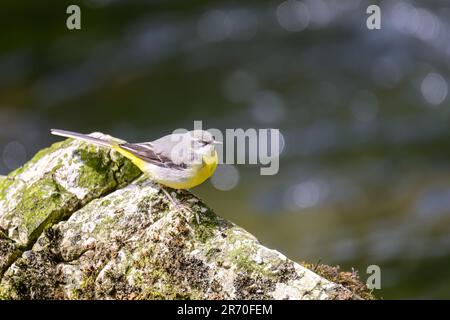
217,142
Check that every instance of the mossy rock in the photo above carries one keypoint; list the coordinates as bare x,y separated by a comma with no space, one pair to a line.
77,222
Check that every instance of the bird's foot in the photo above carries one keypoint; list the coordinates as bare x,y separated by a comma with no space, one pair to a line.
183,208
180,207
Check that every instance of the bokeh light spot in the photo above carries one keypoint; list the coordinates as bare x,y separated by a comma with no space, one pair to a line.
293,15
214,26
226,177
240,86
14,155
434,88
267,108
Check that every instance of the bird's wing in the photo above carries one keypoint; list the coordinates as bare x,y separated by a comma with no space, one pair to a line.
148,152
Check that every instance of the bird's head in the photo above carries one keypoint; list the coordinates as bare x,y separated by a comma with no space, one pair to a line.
203,143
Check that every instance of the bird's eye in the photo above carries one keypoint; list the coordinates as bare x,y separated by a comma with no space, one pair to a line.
200,142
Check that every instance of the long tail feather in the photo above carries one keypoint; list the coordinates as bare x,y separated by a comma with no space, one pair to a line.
80,136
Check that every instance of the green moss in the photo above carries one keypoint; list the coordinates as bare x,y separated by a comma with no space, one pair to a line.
240,257
137,277
86,288
38,201
169,275
212,252
105,203
169,292
145,205
127,172
235,234
4,293
105,224
8,259
100,173
243,251
42,153
43,203
151,292
75,294
96,173
349,280
205,230
203,233
5,183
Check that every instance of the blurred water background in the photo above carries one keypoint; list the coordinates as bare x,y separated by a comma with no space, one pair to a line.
364,175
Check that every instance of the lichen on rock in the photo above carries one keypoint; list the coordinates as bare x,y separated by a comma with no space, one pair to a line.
53,185
76,222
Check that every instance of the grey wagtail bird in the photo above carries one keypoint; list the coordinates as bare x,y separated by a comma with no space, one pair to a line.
178,160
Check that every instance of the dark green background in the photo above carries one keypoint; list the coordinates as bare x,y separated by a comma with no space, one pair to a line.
363,148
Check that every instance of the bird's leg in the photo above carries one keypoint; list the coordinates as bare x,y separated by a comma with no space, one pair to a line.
169,197
196,214
178,205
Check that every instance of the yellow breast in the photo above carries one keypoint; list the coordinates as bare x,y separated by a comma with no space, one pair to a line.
199,174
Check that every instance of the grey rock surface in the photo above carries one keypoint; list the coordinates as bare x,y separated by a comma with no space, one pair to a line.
81,222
